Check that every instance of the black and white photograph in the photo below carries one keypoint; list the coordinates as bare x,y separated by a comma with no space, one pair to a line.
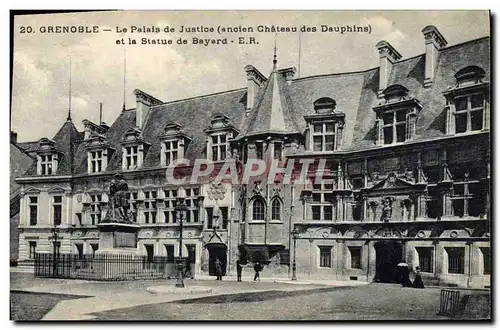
250,165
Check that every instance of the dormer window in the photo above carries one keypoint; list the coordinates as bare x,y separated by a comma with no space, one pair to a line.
131,157
98,153
324,136
96,161
47,157
396,116
394,126
171,151
174,144
325,126
134,148
46,164
220,132
469,113
468,108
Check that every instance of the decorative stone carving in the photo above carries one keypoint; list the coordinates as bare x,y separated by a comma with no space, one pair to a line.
216,191
387,209
257,189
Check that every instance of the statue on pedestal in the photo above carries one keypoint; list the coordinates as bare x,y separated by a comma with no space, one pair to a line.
118,201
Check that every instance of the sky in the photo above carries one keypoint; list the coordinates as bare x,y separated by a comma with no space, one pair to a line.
40,91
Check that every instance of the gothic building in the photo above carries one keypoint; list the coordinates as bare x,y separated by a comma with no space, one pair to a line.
407,176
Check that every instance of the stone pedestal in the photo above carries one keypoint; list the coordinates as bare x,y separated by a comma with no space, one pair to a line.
118,256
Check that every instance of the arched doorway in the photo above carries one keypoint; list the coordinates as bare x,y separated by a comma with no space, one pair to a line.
389,254
216,250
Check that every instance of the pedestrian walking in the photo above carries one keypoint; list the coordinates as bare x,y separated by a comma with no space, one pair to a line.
257,268
218,269
187,270
239,269
417,282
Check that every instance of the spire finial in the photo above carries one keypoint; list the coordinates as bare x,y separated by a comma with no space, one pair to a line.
100,113
275,60
69,92
124,76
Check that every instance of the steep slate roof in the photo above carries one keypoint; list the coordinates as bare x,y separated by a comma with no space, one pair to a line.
124,122
67,140
273,112
19,162
281,107
194,115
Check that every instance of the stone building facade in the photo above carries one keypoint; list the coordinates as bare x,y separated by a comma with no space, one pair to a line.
403,151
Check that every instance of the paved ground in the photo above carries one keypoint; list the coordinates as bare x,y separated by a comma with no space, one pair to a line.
28,306
370,302
229,300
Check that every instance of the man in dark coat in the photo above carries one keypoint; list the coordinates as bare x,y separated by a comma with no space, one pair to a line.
257,268
417,282
218,269
239,269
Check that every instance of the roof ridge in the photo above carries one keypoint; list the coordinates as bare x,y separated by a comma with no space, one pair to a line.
401,61
201,96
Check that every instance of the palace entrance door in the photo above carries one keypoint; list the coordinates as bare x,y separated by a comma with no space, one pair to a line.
389,254
216,250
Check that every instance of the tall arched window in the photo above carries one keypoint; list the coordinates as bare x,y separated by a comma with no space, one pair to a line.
258,210
276,210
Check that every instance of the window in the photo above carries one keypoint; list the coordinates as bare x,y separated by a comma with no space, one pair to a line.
46,164
455,260
79,250
191,253
170,200
95,209
224,217
219,147
355,252
394,126
469,113
259,150
171,152
466,199
258,210
150,206
96,161
276,210
278,150
322,199
433,202
324,136
57,209
325,256
191,200
485,251
425,259
94,247
133,203
32,249
169,252
33,206
131,157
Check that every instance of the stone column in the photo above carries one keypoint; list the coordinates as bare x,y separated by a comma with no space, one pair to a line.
340,249
348,209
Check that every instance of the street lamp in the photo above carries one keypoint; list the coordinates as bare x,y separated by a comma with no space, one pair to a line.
55,242
295,234
180,213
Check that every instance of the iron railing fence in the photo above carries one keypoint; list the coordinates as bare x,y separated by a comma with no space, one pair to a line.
104,267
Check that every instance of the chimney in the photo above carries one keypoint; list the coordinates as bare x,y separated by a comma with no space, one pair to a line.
13,137
434,41
144,103
255,80
388,56
289,73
